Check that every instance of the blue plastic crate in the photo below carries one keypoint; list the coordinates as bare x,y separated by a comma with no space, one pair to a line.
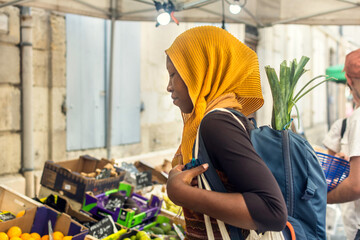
335,169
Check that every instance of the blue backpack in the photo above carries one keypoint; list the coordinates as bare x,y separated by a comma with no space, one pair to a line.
297,170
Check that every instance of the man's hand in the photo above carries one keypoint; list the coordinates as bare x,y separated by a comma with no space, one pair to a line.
342,155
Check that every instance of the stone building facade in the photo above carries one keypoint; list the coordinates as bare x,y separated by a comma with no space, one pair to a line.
160,120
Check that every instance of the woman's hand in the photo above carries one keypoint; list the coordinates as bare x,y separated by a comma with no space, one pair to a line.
181,191
179,181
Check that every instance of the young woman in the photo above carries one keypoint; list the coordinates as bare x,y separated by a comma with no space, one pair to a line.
209,68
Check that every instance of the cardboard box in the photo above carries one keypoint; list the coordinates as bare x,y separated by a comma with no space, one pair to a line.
15,202
36,220
63,205
157,176
65,177
80,217
45,192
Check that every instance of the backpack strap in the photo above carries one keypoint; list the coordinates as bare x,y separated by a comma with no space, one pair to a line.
232,113
343,128
210,180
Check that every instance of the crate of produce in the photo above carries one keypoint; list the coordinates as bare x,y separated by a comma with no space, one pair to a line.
97,229
335,169
164,228
126,208
14,204
75,177
36,221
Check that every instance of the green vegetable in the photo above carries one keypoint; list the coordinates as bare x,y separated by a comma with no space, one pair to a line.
165,227
145,237
171,233
157,230
141,234
283,90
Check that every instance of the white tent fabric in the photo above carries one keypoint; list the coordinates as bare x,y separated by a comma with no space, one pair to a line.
260,13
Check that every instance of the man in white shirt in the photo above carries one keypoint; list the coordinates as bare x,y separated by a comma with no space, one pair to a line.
336,147
349,189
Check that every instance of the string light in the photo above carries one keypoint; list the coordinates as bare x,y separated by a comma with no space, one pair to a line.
166,13
163,18
235,7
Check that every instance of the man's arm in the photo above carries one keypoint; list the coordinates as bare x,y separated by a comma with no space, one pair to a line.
331,152
349,189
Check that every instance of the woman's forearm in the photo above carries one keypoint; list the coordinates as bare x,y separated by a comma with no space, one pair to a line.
227,207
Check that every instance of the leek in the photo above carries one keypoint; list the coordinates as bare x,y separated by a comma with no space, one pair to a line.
282,90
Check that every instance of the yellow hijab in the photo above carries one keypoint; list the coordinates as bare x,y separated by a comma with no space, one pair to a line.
219,71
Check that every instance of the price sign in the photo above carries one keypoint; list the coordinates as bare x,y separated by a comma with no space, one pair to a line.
103,228
5,216
115,201
143,179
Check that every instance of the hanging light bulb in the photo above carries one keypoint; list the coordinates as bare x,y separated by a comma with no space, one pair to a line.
166,12
235,7
163,18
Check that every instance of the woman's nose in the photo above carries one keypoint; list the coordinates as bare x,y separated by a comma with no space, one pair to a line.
169,87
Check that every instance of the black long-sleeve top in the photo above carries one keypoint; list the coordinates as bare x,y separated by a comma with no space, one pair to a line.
230,149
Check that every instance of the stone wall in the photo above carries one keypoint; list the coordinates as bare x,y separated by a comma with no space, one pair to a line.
49,91
10,93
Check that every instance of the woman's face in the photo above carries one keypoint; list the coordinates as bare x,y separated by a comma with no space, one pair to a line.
178,89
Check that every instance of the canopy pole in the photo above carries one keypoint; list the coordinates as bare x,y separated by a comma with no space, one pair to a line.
145,2
260,24
134,12
111,79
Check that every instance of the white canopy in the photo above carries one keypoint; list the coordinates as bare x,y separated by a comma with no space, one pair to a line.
260,13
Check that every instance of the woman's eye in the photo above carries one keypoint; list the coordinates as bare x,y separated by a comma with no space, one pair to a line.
172,74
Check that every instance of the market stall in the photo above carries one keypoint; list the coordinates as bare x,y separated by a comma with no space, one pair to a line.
261,13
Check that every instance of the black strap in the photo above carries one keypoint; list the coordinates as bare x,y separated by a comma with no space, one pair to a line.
288,172
214,180
343,127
